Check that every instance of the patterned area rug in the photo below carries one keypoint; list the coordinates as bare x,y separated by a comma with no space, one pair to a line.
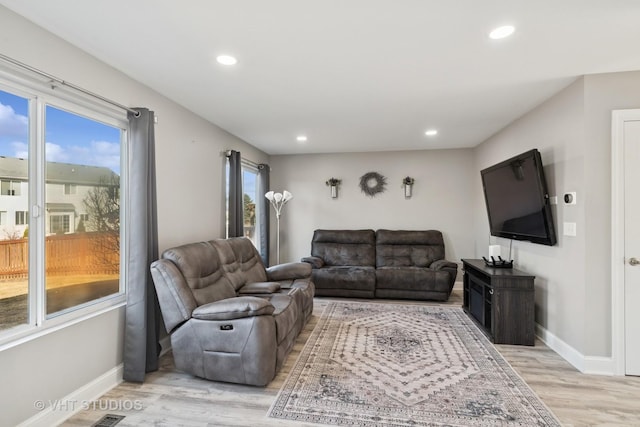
376,364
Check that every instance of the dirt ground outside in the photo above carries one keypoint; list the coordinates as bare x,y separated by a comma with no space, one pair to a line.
12,288
62,292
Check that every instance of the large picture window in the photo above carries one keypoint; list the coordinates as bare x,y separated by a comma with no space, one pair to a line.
60,236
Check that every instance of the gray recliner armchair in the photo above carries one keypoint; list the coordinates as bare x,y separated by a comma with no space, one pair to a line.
231,319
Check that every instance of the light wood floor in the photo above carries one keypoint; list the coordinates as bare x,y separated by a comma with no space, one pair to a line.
171,398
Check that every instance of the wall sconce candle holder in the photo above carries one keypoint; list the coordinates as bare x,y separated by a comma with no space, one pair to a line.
407,183
333,183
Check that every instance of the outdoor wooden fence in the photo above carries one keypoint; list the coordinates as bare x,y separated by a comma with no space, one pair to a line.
77,253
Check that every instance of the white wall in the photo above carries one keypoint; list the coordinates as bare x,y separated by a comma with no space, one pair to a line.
556,128
442,196
190,207
573,279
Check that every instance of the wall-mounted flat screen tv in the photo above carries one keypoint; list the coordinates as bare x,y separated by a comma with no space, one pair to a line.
515,192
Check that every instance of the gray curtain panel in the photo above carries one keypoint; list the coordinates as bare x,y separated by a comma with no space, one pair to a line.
263,209
143,318
236,220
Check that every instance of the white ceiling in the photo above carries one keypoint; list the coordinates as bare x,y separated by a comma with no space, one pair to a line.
352,75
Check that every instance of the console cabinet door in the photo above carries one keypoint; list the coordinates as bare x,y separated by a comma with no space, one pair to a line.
513,317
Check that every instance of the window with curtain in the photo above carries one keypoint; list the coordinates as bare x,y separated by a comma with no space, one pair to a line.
61,170
250,207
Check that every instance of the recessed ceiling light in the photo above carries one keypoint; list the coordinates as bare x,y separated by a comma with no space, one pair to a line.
226,60
502,32
301,138
431,132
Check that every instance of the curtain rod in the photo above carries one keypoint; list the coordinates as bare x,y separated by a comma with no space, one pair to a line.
65,83
227,154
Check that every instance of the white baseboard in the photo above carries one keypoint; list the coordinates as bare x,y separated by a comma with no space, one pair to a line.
58,411
599,365
585,364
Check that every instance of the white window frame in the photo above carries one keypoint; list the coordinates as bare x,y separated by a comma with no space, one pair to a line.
40,94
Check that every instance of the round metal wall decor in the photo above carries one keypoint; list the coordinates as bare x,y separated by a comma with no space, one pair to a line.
372,183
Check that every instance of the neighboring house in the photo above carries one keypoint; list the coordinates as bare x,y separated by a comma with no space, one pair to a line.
67,186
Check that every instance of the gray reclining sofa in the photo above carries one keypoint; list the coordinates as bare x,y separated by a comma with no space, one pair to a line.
382,264
229,318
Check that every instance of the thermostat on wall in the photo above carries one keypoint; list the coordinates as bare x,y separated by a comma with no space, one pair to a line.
570,198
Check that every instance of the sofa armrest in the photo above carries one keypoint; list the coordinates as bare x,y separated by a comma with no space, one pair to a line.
259,288
290,270
175,298
449,267
442,263
233,308
316,262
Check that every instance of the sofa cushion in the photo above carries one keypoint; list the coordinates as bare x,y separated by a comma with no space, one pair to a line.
354,278
229,263
406,256
412,279
260,288
200,265
249,259
344,247
400,248
233,308
240,261
409,237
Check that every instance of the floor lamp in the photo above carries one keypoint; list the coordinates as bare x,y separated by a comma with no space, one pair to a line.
278,200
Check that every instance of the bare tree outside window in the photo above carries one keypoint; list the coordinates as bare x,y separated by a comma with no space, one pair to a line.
102,204
249,211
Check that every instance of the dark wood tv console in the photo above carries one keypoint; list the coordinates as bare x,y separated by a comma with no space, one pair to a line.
501,301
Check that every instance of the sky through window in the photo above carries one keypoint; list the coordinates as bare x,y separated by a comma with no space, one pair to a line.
70,138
